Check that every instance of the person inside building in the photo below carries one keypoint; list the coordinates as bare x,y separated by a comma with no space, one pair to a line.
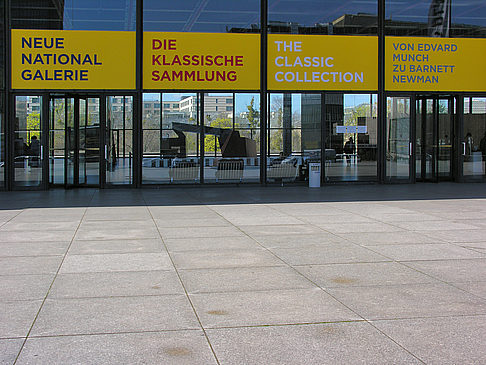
349,150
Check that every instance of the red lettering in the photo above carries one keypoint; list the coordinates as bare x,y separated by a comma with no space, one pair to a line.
165,76
232,76
239,61
156,60
216,60
172,45
155,76
156,44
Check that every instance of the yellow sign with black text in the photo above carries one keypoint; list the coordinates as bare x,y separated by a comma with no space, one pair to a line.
201,61
435,64
322,62
63,59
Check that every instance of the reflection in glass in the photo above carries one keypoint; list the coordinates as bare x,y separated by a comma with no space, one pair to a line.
323,17
209,16
119,15
27,141
170,138
398,147
474,144
2,144
294,136
231,142
119,139
351,132
436,18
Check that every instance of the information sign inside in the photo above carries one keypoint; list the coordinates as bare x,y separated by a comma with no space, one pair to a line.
435,64
198,61
63,59
313,62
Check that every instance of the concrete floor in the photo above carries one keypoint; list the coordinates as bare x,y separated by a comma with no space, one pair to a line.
244,275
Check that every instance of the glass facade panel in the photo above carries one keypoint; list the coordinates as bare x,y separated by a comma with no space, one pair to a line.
294,136
118,15
398,143
119,139
2,44
474,143
170,139
27,141
348,17
208,16
2,143
351,137
436,18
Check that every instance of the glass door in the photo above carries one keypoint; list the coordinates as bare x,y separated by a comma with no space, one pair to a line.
28,143
398,140
74,141
434,138
473,148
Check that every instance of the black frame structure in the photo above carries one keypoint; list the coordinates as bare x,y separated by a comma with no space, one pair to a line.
9,108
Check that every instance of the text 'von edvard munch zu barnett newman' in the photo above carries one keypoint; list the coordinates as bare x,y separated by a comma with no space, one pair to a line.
298,62
201,61
435,64
72,60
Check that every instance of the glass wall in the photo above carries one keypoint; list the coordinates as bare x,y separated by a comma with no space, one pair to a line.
294,136
338,17
208,16
27,141
2,143
351,137
170,138
119,139
2,44
418,18
474,142
231,142
118,15
398,143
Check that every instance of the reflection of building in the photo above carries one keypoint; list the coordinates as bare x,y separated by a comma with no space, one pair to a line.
38,14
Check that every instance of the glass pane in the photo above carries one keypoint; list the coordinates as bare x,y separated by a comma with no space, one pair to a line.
419,151
2,143
170,138
429,147
445,142
351,130
119,137
70,142
74,14
211,16
418,18
474,144
82,142
2,46
92,138
294,137
398,139
27,141
57,132
323,17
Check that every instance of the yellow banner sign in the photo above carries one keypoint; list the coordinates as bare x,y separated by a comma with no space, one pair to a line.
196,61
435,64
62,59
315,62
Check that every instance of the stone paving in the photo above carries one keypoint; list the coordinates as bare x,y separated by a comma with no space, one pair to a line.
390,274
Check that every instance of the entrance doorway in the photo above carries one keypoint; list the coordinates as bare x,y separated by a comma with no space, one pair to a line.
74,141
434,142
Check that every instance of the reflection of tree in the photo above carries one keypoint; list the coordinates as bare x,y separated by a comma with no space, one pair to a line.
210,142
253,115
33,125
276,140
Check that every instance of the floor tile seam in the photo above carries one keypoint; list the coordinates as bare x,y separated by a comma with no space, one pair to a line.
308,289
303,275
48,290
117,239
448,283
196,315
11,218
59,298
26,256
291,324
396,342
113,333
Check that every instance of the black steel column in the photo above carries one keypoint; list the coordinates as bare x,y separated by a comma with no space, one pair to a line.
381,146
202,135
8,103
263,90
137,103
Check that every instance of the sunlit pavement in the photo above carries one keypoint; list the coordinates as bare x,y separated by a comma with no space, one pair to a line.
376,274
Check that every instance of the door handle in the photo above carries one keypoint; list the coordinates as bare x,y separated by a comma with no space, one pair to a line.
464,148
410,149
41,152
106,152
